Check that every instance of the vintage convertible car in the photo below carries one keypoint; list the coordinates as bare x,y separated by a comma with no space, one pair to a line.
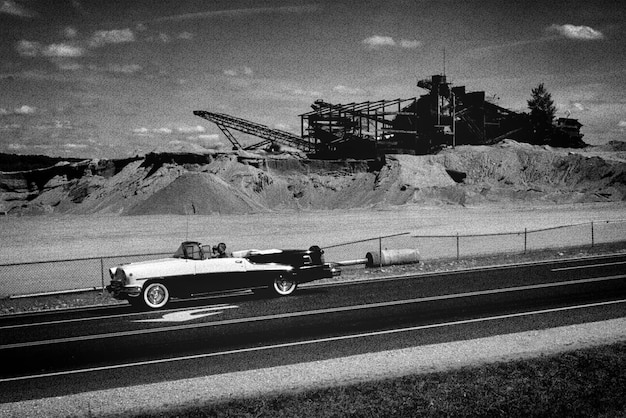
196,269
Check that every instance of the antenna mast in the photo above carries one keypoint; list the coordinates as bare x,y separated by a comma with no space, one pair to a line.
444,61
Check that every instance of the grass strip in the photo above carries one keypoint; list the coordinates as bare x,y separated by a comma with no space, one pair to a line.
580,383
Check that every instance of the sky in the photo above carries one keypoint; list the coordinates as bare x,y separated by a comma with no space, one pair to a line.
119,78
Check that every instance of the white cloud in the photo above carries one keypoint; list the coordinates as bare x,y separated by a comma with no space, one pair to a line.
191,129
3,111
576,32
347,90
185,35
27,48
63,50
211,141
12,8
70,32
25,110
240,12
75,146
141,131
239,71
405,43
14,146
378,41
115,36
622,124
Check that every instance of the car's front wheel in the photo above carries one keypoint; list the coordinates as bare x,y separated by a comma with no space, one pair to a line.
284,286
155,295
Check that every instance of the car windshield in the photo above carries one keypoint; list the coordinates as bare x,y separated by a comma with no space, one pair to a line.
189,250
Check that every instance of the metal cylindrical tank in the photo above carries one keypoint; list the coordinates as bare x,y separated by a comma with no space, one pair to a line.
390,257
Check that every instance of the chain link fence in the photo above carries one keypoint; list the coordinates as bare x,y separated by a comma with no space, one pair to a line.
58,276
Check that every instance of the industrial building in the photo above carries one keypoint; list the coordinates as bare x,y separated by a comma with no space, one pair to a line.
445,116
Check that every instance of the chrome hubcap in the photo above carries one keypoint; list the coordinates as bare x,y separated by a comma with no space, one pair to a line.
156,295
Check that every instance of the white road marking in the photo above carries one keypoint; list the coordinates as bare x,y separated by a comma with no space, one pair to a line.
589,266
308,313
189,315
316,341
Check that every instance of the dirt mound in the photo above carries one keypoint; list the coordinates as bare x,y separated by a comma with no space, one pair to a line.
193,193
250,182
515,170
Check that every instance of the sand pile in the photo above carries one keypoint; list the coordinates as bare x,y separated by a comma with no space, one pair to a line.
512,170
249,182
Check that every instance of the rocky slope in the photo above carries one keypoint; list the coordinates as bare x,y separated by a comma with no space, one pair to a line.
241,182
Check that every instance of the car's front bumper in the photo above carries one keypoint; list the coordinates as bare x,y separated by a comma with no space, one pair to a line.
121,292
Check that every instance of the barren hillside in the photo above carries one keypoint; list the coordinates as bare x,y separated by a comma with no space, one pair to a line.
180,183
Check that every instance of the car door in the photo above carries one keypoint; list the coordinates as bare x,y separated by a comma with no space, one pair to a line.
215,274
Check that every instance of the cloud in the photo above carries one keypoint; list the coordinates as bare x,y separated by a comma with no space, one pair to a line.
404,43
233,13
10,7
28,48
75,146
622,124
63,50
70,32
115,36
378,41
35,49
191,129
576,32
211,141
240,71
25,110
143,131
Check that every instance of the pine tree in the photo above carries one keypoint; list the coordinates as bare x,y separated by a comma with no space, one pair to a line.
542,112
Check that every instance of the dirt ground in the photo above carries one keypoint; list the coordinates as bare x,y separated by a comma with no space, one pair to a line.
51,237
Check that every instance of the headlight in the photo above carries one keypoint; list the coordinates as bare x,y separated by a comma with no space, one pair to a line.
120,276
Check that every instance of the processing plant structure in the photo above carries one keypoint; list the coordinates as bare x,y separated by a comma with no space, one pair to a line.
445,116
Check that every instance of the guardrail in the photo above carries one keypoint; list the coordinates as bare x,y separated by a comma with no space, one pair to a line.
61,276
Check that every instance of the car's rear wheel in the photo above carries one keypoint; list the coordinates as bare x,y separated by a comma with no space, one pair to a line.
155,295
284,286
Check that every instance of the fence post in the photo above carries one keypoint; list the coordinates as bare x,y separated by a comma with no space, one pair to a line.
102,273
592,237
458,252
380,251
525,239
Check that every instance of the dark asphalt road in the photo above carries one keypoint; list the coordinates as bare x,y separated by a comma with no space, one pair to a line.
52,354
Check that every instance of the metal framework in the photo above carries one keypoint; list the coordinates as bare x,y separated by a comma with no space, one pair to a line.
330,127
269,135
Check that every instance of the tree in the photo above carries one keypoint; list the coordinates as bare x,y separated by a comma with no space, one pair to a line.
542,112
